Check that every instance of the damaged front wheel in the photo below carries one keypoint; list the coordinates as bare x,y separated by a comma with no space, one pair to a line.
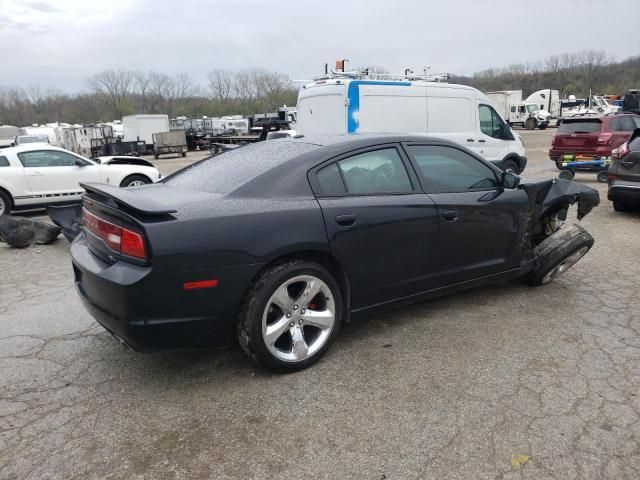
559,252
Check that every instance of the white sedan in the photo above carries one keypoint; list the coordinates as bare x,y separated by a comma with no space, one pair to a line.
32,176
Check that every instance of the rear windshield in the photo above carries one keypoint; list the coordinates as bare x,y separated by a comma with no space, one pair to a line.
580,126
230,170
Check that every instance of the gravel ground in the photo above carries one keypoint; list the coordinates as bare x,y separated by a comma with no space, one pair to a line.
502,382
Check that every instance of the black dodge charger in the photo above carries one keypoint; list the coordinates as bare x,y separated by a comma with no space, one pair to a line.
277,243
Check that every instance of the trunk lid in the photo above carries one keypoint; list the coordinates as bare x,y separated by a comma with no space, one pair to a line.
136,209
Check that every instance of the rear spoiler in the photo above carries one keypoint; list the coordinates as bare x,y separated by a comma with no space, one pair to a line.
132,199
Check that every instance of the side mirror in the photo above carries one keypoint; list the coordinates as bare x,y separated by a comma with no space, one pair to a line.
13,144
510,180
80,163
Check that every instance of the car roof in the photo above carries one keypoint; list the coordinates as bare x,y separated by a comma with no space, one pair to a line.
34,146
361,139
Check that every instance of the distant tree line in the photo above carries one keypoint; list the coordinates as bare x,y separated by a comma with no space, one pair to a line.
114,93
570,73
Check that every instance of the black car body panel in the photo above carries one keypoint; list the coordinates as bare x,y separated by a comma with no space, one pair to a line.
387,248
624,173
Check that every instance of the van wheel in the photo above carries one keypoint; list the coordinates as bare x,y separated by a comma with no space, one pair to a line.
530,124
558,253
5,203
510,166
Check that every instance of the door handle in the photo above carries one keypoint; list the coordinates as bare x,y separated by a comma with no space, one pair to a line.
34,174
482,141
470,140
450,215
346,220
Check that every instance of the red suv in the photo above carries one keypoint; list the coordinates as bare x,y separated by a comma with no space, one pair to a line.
591,137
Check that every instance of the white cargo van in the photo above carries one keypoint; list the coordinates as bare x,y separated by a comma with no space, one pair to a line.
455,112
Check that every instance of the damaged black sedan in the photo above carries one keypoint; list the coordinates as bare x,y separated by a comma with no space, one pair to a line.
278,243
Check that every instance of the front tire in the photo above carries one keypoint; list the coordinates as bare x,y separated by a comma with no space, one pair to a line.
510,166
135,181
530,124
290,316
559,252
5,204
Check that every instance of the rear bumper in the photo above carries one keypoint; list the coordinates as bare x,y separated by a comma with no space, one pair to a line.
147,308
624,191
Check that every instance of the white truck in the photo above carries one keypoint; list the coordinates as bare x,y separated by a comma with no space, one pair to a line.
526,114
548,100
142,127
351,103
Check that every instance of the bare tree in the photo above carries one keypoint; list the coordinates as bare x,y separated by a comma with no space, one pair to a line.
115,87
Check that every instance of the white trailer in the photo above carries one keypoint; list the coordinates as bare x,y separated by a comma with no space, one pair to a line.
142,127
526,114
8,134
79,139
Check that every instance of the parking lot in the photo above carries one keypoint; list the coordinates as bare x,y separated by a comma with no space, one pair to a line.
504,382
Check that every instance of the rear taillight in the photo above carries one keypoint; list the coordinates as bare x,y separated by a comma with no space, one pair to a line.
119,239
604,138
621,151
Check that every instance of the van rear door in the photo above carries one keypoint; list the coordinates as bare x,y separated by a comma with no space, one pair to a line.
322,110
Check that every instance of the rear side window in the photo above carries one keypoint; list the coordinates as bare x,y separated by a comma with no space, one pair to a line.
4,161
330,180
580,126
375,172
230,170
628,125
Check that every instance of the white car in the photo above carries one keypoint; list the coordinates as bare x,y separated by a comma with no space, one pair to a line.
32,176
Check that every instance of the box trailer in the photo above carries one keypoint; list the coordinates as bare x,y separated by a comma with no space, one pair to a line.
174,141
142,127
8,134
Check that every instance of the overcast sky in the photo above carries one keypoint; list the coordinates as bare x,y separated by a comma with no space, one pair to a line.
60,43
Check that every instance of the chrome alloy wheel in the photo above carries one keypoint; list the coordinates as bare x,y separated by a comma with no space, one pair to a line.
3,207
565,265
298,318
136,183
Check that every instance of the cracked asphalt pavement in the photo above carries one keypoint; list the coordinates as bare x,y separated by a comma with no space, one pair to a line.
502,382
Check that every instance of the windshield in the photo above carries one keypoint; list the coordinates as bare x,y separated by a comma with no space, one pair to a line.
230,170
580,126
532,108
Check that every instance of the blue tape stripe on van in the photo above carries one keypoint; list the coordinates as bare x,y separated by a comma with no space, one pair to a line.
353,95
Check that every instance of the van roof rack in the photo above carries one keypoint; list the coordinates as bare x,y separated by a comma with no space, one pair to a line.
364,74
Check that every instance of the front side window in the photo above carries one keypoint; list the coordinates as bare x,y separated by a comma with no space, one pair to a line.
490,122
447,169
375,172
47,158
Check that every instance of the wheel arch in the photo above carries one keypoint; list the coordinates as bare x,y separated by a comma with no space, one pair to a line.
133,174
321,257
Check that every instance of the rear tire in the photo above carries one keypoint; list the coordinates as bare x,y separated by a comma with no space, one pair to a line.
5,203
620,206
135,181
559,252
279,296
